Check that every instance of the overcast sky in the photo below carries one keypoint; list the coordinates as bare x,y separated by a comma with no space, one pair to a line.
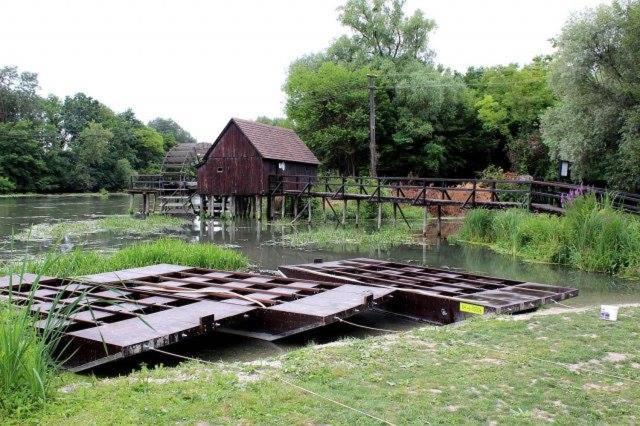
201,62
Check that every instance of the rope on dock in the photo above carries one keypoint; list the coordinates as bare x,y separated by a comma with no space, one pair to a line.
285,381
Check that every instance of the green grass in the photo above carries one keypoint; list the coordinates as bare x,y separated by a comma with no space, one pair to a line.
121,224
165,250
27,361
332,236
488,370
591,235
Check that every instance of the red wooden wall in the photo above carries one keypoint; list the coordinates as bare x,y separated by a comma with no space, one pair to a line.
234,167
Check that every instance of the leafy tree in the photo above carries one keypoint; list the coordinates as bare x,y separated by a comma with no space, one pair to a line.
425,120
330,109
149,147
509,100
21,155
381,29
276,121
18,97
596,76
80,110
171,131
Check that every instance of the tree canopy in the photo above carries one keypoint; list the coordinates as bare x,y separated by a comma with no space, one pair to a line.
77,144
596,76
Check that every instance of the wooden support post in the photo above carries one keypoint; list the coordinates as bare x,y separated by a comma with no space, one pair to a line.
473,194
283,212
357,213
269,208
324,209
344,211
439,221
395,213
131,197
224,206
425,220
203,206
258,207
379,214
145,203
310,201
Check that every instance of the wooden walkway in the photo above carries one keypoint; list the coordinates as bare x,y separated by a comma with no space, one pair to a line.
433,194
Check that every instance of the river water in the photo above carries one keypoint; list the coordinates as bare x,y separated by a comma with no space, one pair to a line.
261,244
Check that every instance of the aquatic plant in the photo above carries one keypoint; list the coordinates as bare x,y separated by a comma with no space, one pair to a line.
121,224
164,250
332,236
592,235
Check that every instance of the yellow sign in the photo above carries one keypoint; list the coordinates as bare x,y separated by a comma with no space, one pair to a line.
472,309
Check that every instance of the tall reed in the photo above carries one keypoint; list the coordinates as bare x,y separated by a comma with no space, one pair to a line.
591,235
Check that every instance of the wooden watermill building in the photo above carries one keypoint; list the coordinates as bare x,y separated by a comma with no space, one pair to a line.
240,162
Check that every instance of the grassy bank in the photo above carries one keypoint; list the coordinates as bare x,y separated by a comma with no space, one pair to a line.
165,250
572,368
27,371
121,224
345,237
592,236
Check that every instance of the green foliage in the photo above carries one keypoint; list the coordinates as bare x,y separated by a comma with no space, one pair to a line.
276,121
382,30
165,250
591,235
331,237
26,367
171,132
79,144
509,100
329,106
6,186
425,120
595,76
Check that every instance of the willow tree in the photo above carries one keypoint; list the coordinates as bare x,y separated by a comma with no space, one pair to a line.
596,75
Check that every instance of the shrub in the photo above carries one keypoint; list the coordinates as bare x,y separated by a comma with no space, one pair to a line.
6,185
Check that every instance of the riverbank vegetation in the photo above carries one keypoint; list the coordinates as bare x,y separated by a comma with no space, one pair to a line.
165,250
591,235
328,236
121,224
488,370
27,368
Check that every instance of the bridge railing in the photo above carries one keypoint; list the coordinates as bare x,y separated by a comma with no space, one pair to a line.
146,183
533,195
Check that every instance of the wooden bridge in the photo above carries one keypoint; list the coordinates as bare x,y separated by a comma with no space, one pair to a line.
436,195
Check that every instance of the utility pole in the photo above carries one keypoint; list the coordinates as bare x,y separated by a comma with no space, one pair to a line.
372,126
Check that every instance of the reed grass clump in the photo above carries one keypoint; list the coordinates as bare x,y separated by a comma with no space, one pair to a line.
29,355
165,250
592,235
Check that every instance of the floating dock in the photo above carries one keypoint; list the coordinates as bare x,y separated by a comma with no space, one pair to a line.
123,313
114,315
440,296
